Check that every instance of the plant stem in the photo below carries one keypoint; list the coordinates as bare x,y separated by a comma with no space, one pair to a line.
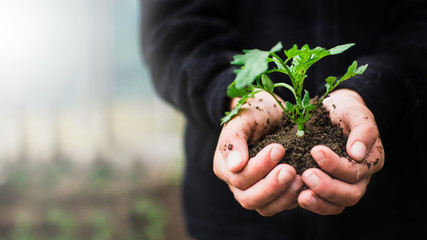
300,131
281,105
285,66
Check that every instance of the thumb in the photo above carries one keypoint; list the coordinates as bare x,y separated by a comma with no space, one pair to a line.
233,145
363,135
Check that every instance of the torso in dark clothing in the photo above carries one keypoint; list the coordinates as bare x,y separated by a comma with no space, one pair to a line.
391,36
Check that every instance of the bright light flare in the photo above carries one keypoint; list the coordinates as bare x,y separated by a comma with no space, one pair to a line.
25,36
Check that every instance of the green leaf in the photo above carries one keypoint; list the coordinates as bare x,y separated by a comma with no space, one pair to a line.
361,69
289,107
292,52
255,63
351,71
352,68
340,48
267,83
239,59
229,115
278,64
277,47
233,92
310,107
306,100
330,80
328,87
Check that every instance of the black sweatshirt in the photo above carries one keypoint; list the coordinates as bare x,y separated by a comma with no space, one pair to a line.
188,45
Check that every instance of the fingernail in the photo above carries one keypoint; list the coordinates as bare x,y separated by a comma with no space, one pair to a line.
283,177
358,150
312,180
276,154
296,186
310,201
234,159
319,156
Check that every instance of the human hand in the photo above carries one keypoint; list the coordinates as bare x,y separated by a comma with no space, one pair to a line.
259,183
347,181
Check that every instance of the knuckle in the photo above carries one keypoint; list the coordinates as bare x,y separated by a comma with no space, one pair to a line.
331,163
245,202
327,190
371,128
237,183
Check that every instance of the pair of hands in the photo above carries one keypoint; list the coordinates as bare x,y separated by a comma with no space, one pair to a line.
264,185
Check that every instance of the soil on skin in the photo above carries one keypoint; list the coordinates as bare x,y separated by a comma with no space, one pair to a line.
319,131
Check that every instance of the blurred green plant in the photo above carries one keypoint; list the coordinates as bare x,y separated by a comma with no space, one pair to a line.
101,173
18,176
60,201
152,217
23,228
62,222
101,225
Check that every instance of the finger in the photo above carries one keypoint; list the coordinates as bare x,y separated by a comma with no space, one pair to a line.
333,190
257,167
232,144
310,201
363,133
267,189
344,169
256,118
285,201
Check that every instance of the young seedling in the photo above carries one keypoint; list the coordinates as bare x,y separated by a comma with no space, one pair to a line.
253,78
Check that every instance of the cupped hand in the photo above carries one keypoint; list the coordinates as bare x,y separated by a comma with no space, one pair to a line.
259,183
342,183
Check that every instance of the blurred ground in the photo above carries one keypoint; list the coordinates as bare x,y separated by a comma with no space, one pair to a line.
100,202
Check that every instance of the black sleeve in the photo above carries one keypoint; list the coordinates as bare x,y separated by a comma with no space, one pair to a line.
188,45
396,79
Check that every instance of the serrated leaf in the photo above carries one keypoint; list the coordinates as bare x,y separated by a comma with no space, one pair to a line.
292,52
276,47
255,62
239,60
310,107
236,71
340,48
278,63
289,106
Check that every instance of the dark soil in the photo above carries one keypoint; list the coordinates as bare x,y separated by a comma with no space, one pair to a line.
319,131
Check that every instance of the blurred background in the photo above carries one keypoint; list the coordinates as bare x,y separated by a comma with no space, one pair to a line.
87,148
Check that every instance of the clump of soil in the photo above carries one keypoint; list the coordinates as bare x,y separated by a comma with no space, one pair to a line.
319,131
